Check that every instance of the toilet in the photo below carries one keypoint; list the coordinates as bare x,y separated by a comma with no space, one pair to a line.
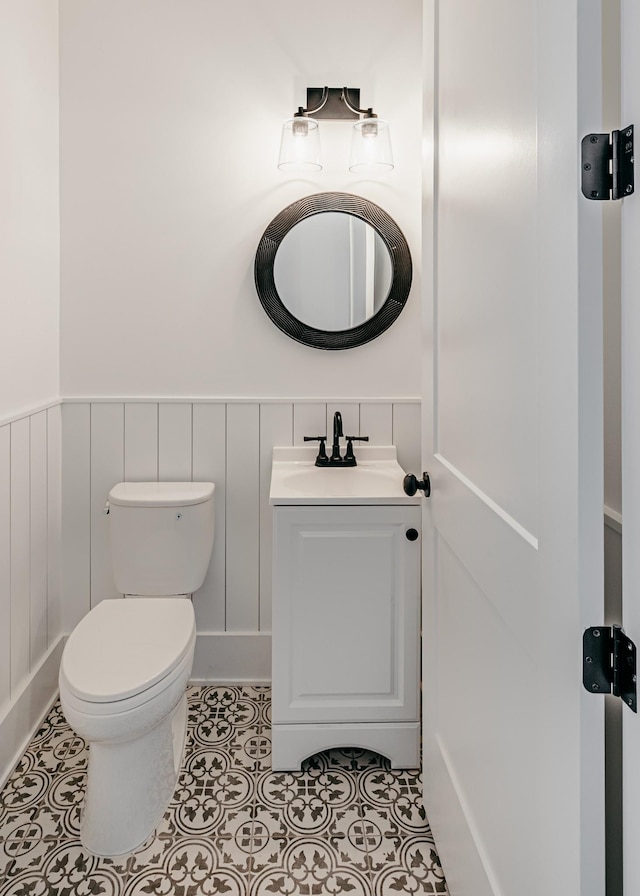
126,665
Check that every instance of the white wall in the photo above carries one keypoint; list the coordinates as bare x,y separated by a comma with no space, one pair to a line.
29,207
170,127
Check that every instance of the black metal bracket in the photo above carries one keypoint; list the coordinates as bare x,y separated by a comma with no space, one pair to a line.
607,165
609,663
328,103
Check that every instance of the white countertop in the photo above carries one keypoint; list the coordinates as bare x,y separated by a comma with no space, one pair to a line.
377,478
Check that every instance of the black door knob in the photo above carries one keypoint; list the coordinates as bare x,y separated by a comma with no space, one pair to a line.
411,484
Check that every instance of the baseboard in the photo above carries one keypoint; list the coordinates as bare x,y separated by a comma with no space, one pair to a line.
25,713
232,657
453,827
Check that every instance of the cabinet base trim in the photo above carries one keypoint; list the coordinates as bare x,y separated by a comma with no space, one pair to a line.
291,744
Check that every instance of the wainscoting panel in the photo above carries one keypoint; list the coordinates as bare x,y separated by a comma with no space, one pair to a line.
38,534
107,468
76,513
5,565
141,442
350,413
229,443
276,428
20,550
243,517
174,442
30,546
376,421
406,435
54,539
309,419
210,465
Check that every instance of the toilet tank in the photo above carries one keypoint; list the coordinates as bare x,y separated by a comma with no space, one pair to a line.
160,536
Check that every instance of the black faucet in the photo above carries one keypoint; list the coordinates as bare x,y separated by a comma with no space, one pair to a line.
336,459
337,435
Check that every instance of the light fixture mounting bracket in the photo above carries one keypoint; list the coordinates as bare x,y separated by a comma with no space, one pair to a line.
334,107
607,165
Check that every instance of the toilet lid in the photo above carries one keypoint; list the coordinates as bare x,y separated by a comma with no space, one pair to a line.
122,647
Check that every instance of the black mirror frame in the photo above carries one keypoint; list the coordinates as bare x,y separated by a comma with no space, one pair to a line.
388,231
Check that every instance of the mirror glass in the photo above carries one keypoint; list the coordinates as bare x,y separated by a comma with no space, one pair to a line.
333,271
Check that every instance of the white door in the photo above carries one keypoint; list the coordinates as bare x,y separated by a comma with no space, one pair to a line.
512,411
631,444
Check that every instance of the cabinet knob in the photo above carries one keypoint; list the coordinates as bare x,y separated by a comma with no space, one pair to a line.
412,534
411,484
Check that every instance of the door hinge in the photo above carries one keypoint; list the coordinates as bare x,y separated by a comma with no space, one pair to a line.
607,165
609,663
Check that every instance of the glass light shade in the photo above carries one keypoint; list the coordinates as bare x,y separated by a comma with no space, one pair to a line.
300,145
371,147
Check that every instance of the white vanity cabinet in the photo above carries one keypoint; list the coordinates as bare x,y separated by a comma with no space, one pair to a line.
346,630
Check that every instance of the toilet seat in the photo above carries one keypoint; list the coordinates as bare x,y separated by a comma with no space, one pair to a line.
123,652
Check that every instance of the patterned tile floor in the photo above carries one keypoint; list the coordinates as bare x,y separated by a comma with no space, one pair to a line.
346,823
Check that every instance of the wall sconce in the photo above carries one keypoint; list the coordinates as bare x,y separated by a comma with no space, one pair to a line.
370,143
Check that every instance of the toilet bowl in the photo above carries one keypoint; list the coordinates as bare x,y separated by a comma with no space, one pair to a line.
132,712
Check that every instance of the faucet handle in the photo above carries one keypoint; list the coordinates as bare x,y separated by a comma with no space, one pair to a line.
321,460
349,455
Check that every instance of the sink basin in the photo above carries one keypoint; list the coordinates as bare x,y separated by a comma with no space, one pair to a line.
376,480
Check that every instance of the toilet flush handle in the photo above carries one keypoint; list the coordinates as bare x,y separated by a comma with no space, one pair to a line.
105,509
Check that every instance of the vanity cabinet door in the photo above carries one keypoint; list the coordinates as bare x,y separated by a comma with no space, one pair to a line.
345,614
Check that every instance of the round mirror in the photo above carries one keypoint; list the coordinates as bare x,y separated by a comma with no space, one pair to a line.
344,293
333,270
